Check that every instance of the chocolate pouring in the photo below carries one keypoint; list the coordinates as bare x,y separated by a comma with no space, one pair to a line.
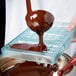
38,21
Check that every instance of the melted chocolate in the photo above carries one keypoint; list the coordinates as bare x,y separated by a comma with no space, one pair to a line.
31,47
29,69
38,21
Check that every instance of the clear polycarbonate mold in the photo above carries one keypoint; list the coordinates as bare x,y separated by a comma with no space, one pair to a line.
57,39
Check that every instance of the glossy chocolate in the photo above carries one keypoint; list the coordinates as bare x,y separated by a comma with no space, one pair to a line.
29,69
38,21
30,47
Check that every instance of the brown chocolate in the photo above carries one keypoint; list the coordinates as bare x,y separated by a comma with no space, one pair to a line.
31,47
28,69
6,63
38,21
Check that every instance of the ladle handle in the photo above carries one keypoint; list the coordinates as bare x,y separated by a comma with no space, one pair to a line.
28,6
70,63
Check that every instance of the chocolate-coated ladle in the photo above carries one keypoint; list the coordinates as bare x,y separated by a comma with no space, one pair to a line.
38,21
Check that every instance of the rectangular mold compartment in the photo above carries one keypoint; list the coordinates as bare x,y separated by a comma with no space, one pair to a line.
57,39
